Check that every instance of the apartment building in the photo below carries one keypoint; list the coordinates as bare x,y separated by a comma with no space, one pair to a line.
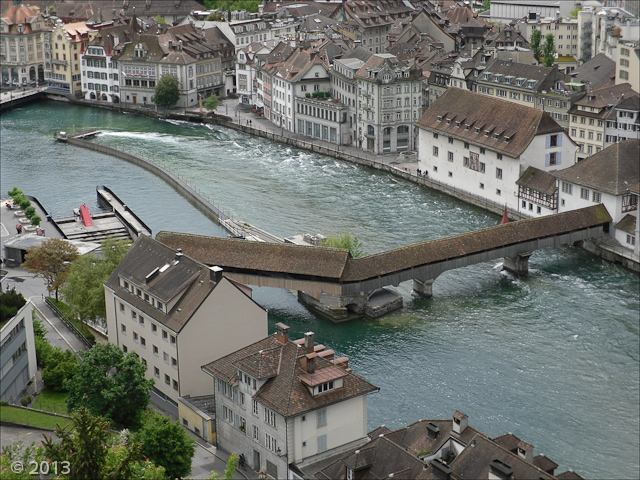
628,63
176,314
623,121
564,30
482,145
24,46
533,86
281,403
68,42
389,103
17,354
588,115
610,177
99,67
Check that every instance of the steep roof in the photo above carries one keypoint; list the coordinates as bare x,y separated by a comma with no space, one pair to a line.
603,97
183,279
284,392
600,72
612,170
518,123
538,180
19,15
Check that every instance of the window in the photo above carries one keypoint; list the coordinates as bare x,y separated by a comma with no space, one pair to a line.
154,328
167,379
567,188
499,156
175,385
256,433
450,139
121,307
155,350
255,407
450,156
435,135
466,144
123,328
135,337
482,167
631,240
499,173
143,342
270,442
141,320
165,335
321,417
539,210
270,417
498,191
597,197
156,372
584,193
124,348
450,174
174,362
322,443
435,151
173,339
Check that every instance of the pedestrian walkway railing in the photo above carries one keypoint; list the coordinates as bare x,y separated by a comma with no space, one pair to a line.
68,323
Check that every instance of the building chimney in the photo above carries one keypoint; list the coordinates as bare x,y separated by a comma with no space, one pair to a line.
179,44
525,451
282,333
171,44
311,362
440,470
178,254
460,422
432,430
215,274
500,471
309,341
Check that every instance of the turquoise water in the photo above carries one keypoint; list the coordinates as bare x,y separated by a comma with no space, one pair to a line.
552,358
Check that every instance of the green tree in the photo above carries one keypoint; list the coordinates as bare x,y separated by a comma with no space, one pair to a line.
60,366
36,220
548,50
83,290
51,261
232,466
574,13
165,443
89,452
232,5
10,302
486,6
345,240
212,102
159,19
110,383
167,92
535,43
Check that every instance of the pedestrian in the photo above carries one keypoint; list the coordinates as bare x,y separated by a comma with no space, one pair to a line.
247,121
19,228
250,122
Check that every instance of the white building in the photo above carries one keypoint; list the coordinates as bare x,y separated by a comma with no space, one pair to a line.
610,177
623,121
176,314
482,145
281,402
17,354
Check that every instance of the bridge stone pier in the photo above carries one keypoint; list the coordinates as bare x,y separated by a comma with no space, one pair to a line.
424,288
518,264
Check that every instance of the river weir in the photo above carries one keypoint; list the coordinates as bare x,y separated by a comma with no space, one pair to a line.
552,357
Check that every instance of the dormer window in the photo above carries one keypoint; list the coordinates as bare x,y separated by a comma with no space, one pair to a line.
467,127
448,121
531,83
325,387
486,133
496,135
485,76
519,82
506,139
457,124
439,118
477,129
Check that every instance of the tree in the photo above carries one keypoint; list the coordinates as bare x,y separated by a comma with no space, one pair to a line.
60,366
486,6
574,13
212,102
51,261
83,290
232,466
165,443
159,19
345,240
88,452
548,50
110,383
167,92
536,39
10,302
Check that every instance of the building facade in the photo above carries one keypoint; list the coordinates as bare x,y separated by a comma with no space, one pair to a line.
17,354
482,145
68,42
24,46
281,402
176,314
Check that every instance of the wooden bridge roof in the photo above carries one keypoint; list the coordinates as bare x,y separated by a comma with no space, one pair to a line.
338,266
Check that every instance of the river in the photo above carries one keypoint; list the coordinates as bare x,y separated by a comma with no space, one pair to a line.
552,358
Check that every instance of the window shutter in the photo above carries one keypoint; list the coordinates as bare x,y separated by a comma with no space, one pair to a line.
546,156
548,142
559,157
559,140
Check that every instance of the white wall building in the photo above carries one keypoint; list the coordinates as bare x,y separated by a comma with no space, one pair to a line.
281,402
17,354
482,145
176,314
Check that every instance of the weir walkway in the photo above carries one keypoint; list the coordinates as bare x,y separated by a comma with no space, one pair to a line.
335,280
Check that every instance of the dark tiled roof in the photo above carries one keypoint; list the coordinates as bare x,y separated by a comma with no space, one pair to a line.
285,393
452,247
538,180
628,224
475,462
378,459
186,279
381,430
569,475
600,72
612,170
545,463
261,364
268,257
508,441
603,97
518,122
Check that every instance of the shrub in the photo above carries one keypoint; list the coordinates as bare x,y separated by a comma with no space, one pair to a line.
10,303
61,365
26,401
24,203
30,211
36,220
4,403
